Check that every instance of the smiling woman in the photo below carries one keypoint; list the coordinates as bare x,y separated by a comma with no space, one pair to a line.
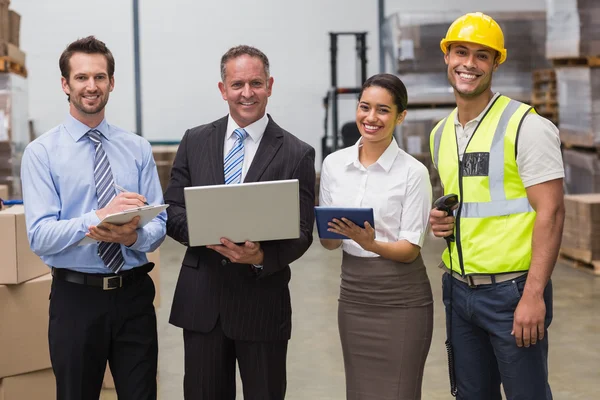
384,289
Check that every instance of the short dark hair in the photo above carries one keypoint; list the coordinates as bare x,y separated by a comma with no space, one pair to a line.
393,85
241,50
87,45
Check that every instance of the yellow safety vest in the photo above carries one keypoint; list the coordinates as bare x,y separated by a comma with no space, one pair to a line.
494,222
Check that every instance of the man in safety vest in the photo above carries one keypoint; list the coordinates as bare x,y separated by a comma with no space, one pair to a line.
504,163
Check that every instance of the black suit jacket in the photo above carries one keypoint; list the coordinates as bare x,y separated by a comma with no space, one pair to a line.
251,306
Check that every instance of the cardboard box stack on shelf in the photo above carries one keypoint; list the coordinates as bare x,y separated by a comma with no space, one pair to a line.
573,45
12,58
24,291
544,94
164,156
14,127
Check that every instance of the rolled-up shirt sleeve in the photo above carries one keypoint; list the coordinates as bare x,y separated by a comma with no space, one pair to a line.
416,206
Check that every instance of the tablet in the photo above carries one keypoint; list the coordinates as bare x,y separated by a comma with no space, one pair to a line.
251,211
324,215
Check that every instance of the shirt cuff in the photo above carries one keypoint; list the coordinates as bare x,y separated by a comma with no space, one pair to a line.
140,242
416,238
90,219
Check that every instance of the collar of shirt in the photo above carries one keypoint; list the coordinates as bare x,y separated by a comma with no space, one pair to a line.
77,129
480,116
385,161
255,130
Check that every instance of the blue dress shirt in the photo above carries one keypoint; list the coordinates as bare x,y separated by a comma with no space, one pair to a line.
59,193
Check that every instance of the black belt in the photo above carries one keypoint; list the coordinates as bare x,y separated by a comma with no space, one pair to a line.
104,281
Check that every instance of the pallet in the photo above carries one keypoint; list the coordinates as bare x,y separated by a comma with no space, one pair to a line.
544,75
589,61
541,96
592,268
7,64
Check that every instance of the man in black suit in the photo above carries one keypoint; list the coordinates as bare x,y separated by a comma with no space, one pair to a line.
232,300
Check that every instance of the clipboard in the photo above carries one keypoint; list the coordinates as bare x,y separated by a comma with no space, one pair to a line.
323,215
146,214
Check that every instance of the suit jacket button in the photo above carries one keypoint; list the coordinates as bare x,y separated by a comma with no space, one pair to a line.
223,262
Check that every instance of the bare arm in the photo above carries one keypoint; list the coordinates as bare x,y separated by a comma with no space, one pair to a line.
548,201
331,244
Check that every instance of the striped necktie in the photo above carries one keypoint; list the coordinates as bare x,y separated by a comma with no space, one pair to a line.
110,253
235,159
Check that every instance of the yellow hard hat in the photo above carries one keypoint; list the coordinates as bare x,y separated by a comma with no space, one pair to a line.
476,28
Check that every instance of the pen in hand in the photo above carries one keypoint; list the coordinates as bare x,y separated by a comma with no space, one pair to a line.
121,189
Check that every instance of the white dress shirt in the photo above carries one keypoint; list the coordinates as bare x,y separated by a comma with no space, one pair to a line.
255,133
397,187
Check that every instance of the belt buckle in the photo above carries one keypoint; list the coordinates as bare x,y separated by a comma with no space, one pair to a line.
471,282
112,282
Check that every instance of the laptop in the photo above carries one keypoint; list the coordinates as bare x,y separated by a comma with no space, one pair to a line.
251,211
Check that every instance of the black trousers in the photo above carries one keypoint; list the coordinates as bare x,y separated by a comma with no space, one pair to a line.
210,367
89,326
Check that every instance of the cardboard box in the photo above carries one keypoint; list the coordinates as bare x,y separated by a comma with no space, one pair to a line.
580,232
13,52
4,20
18,263
3,192
24,332
14,22
39,385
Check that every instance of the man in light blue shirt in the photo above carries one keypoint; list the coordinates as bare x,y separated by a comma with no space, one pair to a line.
101,305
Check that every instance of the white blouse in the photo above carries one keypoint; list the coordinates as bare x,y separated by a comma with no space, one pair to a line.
397,187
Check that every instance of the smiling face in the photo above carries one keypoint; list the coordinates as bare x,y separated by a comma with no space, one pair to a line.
377,115
470,68
88,86
246,88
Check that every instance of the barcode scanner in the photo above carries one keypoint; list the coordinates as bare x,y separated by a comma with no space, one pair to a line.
445,203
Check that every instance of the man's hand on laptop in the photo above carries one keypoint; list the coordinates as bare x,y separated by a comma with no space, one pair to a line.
247,253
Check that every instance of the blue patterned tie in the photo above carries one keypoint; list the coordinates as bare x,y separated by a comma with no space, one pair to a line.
110,253
235,159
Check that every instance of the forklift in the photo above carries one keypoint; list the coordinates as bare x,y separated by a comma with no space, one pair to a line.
331,142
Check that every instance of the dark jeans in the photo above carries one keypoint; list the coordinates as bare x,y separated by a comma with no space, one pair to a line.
89,326
485,352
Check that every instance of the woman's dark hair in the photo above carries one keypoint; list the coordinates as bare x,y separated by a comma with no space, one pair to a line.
393,85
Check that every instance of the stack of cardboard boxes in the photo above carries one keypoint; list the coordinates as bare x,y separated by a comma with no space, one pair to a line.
25,369
582,224
24,290
14,118
10,23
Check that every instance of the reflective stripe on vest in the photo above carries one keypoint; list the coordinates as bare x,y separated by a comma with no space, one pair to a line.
495,219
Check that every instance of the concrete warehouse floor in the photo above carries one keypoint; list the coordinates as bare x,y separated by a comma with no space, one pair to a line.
315,367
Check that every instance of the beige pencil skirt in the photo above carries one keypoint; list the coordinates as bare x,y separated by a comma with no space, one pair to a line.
385,320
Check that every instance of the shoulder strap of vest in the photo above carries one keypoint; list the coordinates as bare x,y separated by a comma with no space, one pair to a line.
435,137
